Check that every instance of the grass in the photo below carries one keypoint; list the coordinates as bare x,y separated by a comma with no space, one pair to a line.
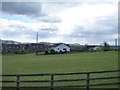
76,62
60,63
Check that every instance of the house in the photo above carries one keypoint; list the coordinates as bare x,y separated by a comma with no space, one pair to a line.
33,47
77,48
61,47
58,48
23,48
11,48
97,48
115,47
94,49
90,47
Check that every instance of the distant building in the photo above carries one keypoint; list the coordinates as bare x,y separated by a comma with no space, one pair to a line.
58,48
77,48
90,47
115,47
33,47
23,48
94,49
11,48
61,47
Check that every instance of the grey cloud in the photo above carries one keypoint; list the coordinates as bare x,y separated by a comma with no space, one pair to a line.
46,34
87,1
50,19
55,7
36,9
23,8
50,27
96,32
20,31
63,5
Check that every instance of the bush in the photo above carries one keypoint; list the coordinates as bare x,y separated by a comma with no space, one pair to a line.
46,52
52,51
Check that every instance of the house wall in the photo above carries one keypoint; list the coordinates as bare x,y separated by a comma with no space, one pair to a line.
11,48
62,47
36,47
22,48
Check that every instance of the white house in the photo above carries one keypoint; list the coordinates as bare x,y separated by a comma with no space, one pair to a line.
61,47
95,49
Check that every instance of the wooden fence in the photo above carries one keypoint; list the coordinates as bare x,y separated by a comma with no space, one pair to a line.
18,81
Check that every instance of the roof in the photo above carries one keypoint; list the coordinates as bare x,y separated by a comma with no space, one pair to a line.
55,45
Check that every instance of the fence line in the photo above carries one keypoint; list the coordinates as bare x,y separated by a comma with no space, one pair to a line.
52,80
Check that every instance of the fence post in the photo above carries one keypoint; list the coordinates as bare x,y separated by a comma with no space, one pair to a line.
18,82
88,81
52,82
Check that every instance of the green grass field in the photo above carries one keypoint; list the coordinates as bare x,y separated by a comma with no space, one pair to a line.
60,63
74,62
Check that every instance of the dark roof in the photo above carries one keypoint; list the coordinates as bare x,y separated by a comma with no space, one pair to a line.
56,44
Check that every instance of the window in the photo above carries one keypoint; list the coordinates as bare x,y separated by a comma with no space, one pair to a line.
40,46
64,49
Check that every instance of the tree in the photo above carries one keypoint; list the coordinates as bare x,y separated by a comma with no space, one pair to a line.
106,46
52,51
46,52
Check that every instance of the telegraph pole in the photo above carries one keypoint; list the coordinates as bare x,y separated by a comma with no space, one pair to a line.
116,42
37,38
116,45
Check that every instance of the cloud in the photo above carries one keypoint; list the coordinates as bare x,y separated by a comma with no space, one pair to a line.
50,19
62,22
23,8
25,32
46,34
102,29
36,9
50,27
14,30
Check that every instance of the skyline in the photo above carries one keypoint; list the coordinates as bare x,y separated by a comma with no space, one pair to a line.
69,22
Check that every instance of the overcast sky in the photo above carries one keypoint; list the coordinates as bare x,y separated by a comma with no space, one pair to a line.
69,22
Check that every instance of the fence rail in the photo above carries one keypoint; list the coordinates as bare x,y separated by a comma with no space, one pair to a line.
52,80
